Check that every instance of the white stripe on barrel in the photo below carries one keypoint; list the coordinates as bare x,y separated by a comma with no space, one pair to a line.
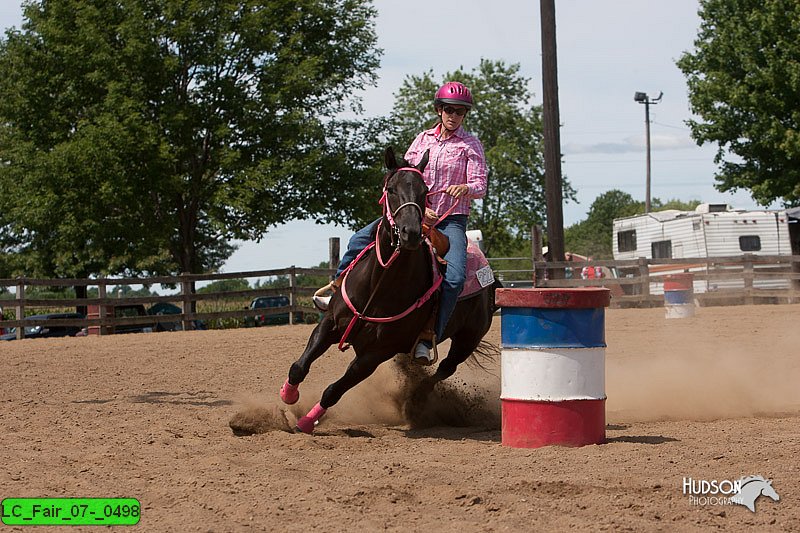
679,295
553,366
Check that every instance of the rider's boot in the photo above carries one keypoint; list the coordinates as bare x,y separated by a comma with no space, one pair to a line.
320,299
425,352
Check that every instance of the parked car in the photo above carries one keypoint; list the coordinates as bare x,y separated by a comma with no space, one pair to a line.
120,311
157,311
41,332
166,308
131,310
268,302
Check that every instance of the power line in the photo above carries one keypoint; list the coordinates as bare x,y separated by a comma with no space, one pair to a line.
671,126
595,161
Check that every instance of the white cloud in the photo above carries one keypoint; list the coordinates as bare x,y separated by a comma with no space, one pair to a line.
636,144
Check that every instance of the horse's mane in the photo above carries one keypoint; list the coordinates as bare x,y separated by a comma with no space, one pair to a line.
745,480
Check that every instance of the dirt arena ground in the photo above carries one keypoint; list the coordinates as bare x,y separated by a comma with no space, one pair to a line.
147,416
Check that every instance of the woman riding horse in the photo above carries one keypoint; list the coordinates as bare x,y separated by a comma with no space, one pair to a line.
457,170
385,300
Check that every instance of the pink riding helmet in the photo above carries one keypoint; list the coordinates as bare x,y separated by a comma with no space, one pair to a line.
454,93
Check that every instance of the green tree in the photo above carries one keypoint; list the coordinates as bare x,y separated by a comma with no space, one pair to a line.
593,236
301,280
226,285
126,291
142,136
510,128
743,77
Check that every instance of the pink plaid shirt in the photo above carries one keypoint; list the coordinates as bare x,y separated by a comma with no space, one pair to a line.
457,160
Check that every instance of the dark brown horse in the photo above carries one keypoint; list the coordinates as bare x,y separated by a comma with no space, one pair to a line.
387,287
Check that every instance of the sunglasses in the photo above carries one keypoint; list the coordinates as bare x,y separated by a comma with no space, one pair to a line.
461,111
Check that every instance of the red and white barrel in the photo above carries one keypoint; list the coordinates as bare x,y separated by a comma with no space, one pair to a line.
553,366
679,295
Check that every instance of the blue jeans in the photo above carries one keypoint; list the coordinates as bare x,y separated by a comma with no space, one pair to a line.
455,227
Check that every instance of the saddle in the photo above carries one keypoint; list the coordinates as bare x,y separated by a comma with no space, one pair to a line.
479,273
440,242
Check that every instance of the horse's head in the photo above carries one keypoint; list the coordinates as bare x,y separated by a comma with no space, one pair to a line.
404,199
769,491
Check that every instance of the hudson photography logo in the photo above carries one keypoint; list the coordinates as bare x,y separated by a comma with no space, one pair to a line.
744,491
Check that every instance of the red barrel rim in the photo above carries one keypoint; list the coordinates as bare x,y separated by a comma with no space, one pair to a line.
554,298
679,282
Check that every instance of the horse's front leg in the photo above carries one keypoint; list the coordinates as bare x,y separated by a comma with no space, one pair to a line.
321,339
359,369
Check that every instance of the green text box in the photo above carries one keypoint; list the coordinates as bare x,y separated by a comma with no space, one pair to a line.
70,511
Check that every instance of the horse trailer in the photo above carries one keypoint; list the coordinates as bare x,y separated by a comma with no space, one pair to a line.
711,230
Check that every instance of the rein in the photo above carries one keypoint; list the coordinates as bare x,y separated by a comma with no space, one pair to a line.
437,276
446,213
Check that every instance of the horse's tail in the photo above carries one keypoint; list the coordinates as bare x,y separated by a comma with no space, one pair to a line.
487,352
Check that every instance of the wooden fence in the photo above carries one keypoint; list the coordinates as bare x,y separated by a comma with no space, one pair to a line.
718,280
186,298
744,279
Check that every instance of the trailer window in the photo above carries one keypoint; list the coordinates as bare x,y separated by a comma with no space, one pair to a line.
626,240
662,250
750,243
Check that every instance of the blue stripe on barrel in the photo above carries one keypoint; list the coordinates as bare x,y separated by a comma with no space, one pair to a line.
678,297
524,327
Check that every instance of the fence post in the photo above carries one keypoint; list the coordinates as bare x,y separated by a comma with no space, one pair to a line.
20,307
794,284
644,279
102,309
333,253
536,253
748,278
186,301
292,289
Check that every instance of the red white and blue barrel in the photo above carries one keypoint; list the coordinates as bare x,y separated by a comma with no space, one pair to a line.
679,295
553,366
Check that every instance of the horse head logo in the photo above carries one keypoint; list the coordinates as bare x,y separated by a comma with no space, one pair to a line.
751,488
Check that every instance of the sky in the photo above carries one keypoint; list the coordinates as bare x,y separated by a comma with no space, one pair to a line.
606,50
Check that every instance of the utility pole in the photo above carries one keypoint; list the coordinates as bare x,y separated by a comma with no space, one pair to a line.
552,137
642,98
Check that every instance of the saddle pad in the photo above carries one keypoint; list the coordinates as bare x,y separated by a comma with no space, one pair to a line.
479,273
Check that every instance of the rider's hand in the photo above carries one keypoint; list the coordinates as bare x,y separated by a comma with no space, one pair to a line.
457,191
430,216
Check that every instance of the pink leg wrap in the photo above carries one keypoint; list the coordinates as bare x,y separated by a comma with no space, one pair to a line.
306,423
289,393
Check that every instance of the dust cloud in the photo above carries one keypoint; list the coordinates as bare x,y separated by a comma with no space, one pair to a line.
696,382
397,394
257,416
724,363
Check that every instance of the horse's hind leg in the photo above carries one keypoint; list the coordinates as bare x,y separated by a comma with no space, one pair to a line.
461,347
321,339
359,369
